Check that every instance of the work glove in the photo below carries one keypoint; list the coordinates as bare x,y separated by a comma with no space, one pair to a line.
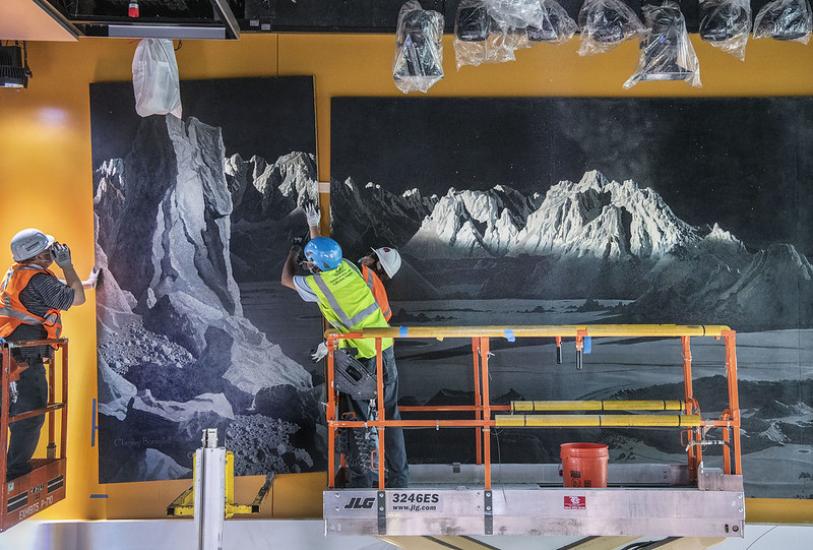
311,214
61,254
320,353
93,278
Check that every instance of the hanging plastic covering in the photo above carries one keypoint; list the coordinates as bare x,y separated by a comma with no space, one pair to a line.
418,61
784,20
515,14
483,34
155,78
726,24
666,52
556,25
605,24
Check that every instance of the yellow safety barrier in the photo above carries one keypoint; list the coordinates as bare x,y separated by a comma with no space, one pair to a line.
605,405
597,420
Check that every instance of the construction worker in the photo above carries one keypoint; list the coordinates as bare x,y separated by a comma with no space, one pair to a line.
32,299
337,287
383,263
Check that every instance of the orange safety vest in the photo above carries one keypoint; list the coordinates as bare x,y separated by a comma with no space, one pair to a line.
12,311
379,292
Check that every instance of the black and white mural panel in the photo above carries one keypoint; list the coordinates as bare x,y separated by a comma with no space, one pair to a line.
193,220
532,211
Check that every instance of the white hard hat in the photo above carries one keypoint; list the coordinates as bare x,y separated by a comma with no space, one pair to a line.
390,260
28,243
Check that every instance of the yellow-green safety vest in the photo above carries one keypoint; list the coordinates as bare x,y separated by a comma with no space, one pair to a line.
348,305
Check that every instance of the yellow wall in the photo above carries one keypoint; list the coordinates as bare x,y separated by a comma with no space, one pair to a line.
45,178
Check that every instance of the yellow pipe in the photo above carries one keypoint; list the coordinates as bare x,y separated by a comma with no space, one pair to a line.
608,405
538,331
597,420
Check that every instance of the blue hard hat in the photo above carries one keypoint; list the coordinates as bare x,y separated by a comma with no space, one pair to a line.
325,253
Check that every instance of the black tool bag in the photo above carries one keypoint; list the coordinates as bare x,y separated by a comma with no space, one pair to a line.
352,376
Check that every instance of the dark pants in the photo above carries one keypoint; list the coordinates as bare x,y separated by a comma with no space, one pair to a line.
394,447
32,389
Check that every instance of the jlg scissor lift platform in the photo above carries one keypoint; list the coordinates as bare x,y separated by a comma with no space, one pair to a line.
44,485
642,499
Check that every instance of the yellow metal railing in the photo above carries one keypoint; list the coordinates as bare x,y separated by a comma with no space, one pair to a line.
597,420
541,331
603,405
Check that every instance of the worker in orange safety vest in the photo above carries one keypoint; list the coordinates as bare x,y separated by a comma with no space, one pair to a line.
31,301
383,263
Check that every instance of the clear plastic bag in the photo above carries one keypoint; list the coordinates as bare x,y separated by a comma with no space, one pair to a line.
605,24
666,51
515,14
784,20
155,78
726,24
480,38
418,61
555,25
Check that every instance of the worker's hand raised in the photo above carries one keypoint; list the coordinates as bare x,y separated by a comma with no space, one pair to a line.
312,214
320,352
61,254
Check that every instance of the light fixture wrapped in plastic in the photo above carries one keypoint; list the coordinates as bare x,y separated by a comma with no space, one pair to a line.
666,52
784,20
515,14
155,78
726,24
605,24
418,61
556,25
481,38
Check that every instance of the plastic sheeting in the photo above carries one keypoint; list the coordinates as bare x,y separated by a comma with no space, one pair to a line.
726,24
480,37
555,25
666,52
605,24
155,78
418,61
784,20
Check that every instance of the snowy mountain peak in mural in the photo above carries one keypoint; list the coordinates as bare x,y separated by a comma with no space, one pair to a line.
594,238
592,217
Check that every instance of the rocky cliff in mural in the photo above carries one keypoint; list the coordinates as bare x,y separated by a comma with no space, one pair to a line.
176,353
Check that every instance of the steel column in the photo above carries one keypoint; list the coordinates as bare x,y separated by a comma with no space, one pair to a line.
379,373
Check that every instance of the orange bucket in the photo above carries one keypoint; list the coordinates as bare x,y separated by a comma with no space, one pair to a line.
584,464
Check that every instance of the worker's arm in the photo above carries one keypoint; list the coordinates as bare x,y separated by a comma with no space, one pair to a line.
289,268
62,257
313,216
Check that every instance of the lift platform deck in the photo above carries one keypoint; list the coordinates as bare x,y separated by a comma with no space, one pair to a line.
45,484
672,500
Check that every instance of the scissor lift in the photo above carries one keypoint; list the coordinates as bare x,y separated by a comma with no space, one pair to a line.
642,499
44,485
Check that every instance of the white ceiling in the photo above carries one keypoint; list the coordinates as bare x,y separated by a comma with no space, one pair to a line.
26,20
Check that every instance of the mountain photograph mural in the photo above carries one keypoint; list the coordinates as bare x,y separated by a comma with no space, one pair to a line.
542,211
190,239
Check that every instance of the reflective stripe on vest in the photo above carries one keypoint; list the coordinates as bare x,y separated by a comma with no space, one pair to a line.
347,321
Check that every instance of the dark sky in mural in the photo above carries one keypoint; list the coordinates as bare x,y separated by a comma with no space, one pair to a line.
256,114
712,160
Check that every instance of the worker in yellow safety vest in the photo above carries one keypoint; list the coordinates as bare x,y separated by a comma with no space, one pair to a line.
32,298
348,304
